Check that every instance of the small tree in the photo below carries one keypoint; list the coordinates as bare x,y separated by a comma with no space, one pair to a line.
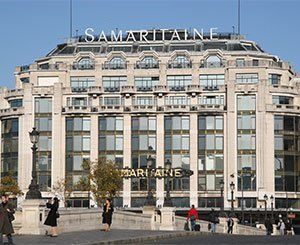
64,187
105,180
9,185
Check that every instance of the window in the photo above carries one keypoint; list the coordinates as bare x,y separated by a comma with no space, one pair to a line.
145,83
240,62
178,82
246,162
111,101
143,101
211,100
180,62
147,62
43,105
84,64
246,78
177,123
82,83
246,122
210,122
282,100
212,81
246,142
274,79
16,103
77,101
246,102
115,63
177,100
213,61
112,84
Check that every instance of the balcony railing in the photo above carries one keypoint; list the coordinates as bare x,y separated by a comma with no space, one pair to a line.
177,88
146,65
11,111
13,93
206,64
77,109
78,66
179,65
112,89
144,88
127,89
113,66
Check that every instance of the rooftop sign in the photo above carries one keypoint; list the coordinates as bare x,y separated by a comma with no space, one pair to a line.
150,35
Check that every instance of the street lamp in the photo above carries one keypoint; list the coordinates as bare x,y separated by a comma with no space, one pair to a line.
272,214
232,186
222,197
266,199
34,192
167,201
149,200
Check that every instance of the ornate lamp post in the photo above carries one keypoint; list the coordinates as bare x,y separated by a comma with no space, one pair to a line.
149,200
222,197
266,199
167,201
232,186
272,208
34,192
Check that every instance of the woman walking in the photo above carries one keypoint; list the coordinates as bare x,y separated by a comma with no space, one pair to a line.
6,213
53,215
107,214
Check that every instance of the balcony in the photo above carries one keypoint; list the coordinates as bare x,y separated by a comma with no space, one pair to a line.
127,89
208,108
113,66
112,89
42,90
218,88
15,111
282,89
176,108
110,108
79,89
76,109
78,66
144,88
177,88
13,93
160,89
206,64
283,108
179,65
143,108
146,65
95,90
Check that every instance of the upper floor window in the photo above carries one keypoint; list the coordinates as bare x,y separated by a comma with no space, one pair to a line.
177,123
145,83
282,100
147,62
82,83
179,82
180,62
78,124
113,84
274,79
115,63
212,81
246,78
84,64
246,102
211,100
43,105
143,101
111,101
213,61
177,100
240,62
77,101
16,103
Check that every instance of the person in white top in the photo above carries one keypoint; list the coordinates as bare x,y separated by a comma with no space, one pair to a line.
281,227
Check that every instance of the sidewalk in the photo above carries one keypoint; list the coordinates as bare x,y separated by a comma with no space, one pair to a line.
100,237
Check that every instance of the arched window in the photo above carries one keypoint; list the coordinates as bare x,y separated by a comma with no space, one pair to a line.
148,62
84,64
213,61
116,63
180,61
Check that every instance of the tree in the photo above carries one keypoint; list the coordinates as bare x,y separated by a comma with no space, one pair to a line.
105,180
63,187
9,185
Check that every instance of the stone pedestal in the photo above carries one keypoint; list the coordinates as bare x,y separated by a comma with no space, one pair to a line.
167,219
150,210
223,222
33,216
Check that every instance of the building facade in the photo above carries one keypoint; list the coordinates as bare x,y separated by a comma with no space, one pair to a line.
221,107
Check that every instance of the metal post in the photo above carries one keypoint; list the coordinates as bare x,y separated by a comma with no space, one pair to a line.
232,207
167,201
149,200
242,204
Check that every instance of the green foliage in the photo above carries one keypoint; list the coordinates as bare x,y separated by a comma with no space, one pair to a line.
64,187
106,180
9,185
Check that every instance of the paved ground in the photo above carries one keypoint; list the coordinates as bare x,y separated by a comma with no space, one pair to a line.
99,237
229,239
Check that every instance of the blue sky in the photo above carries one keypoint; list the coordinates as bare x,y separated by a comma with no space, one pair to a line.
31,28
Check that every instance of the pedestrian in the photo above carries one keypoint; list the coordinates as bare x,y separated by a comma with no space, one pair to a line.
108,210
269,226
230,224
52,216
214,220
192,216
289,228
7,217
281,227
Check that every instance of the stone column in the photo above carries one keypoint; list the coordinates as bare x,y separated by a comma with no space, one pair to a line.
160,157
127,158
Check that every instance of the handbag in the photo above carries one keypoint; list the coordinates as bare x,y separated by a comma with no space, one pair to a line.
186,226
11,217
57,215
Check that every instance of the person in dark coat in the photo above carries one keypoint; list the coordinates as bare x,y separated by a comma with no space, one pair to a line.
230,224
214,220
269,226
53,215
6,217
108,210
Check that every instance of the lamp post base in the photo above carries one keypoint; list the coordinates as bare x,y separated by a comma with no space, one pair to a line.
168,202
150,200
34,191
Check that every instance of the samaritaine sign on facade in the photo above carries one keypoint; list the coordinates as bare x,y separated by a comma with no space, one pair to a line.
149,35
155,173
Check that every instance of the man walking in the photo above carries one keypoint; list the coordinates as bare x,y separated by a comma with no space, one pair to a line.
6,217
214,220
193,216
269,226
